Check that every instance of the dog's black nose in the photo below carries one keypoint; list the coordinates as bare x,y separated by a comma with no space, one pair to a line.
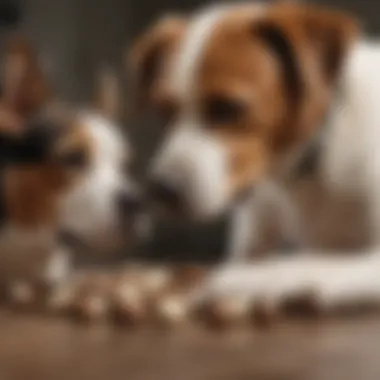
165,193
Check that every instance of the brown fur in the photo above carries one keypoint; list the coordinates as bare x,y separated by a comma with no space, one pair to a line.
26,89
32,193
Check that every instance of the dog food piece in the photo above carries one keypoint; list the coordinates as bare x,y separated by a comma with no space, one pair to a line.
156,280
151,280
172,310
129,304
91,296
223,312
91,308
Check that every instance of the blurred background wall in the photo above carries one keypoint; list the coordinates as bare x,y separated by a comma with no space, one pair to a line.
75,37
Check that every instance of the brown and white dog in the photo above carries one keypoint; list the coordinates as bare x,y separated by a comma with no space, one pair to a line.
251,93
60,171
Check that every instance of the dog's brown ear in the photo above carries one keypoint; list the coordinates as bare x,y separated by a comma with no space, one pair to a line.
311,44
328,34
148,53
25,88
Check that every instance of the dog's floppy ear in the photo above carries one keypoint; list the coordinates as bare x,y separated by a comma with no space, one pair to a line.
147,54
331,34
311,44
25,87
327,34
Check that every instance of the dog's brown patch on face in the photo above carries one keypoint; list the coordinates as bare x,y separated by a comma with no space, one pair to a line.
33,192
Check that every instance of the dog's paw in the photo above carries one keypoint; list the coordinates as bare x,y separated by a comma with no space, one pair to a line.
292,287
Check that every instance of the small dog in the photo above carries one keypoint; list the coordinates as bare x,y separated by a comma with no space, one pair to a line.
62,173
280,103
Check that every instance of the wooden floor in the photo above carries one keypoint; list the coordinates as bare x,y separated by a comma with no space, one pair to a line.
50,349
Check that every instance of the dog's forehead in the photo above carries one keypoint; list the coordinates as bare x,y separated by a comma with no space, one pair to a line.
200,34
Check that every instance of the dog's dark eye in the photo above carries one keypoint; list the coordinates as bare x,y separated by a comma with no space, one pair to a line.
218,110
76,159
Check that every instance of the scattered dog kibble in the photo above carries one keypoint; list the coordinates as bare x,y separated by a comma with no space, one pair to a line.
172,310
159,296
90,301
91,308
223,312
129,304
156,280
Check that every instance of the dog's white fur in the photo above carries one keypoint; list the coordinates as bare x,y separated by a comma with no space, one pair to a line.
90,209
350,168
191,157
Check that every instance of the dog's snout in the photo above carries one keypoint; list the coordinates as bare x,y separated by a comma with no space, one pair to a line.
165,193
